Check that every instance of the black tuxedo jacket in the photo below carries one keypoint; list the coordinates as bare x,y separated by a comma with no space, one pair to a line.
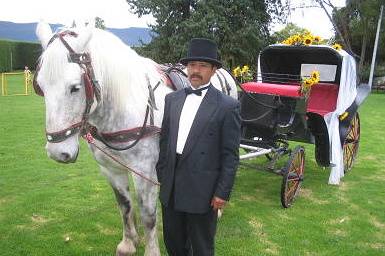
210,157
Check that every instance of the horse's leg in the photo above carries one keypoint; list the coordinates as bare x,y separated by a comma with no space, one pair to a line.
119,183
147,197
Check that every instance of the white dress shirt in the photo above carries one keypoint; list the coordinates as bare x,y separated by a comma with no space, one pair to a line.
187,116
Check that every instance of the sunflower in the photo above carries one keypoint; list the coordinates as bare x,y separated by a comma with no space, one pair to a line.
337,47
296,39
307,83
315,75
237,72
317,39
308,40
245,69
287,41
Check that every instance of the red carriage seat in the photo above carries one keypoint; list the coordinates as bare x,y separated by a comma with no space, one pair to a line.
322,98
272,89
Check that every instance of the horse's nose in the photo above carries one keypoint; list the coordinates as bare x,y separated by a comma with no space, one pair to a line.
65,157
62,156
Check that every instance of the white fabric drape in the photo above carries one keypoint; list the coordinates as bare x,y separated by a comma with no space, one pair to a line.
346,95
259,73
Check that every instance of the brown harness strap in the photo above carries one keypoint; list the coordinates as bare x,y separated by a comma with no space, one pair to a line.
124,136
59,136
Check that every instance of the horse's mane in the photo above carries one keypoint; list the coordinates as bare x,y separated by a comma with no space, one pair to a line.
122,73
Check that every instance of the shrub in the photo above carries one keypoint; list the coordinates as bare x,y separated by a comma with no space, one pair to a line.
22,53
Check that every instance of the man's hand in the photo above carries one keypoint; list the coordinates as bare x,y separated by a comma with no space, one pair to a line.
217,203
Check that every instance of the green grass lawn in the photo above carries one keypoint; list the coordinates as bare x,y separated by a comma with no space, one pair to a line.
43,202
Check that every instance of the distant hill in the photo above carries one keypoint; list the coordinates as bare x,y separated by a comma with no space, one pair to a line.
26,32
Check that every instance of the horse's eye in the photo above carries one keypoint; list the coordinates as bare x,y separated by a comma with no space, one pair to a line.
75,88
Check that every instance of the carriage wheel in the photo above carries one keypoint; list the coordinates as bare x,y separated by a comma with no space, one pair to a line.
351,143
293,176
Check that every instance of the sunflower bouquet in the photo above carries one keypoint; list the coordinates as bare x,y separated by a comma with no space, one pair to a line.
306,39
243,74
307,83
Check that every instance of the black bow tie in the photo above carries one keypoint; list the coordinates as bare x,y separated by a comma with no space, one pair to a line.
189,90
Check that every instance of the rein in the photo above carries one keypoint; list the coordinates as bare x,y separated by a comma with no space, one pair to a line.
88,137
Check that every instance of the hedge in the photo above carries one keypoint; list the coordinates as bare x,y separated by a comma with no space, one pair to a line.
23,54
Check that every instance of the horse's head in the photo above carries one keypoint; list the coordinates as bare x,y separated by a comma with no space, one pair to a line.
61,82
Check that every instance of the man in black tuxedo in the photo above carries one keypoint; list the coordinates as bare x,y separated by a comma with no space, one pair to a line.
199,155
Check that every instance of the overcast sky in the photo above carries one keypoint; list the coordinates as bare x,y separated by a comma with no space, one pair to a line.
115,13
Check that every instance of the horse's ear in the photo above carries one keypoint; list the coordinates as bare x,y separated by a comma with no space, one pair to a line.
44,33
83,39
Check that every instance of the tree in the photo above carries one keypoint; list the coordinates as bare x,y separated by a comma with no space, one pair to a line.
289,30
362,27
240,27
99,23
357,23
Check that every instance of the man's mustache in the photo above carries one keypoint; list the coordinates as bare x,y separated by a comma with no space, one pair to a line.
196,76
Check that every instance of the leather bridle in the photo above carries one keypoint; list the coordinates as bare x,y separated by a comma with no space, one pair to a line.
91,88
92,91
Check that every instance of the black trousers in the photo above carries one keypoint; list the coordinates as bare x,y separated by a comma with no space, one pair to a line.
188,234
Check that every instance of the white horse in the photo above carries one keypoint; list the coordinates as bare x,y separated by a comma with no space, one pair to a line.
127,95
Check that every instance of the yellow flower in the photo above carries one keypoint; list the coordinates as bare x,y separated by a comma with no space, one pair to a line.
288,41
296,39
315,75
308,82
305,38
246,74
245,69
308,40
237,71
243,74
337,47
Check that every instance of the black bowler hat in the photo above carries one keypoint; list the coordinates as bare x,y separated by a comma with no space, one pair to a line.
202,49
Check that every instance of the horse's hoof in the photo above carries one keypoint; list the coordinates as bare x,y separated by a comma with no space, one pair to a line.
152,249
152,253
125,248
